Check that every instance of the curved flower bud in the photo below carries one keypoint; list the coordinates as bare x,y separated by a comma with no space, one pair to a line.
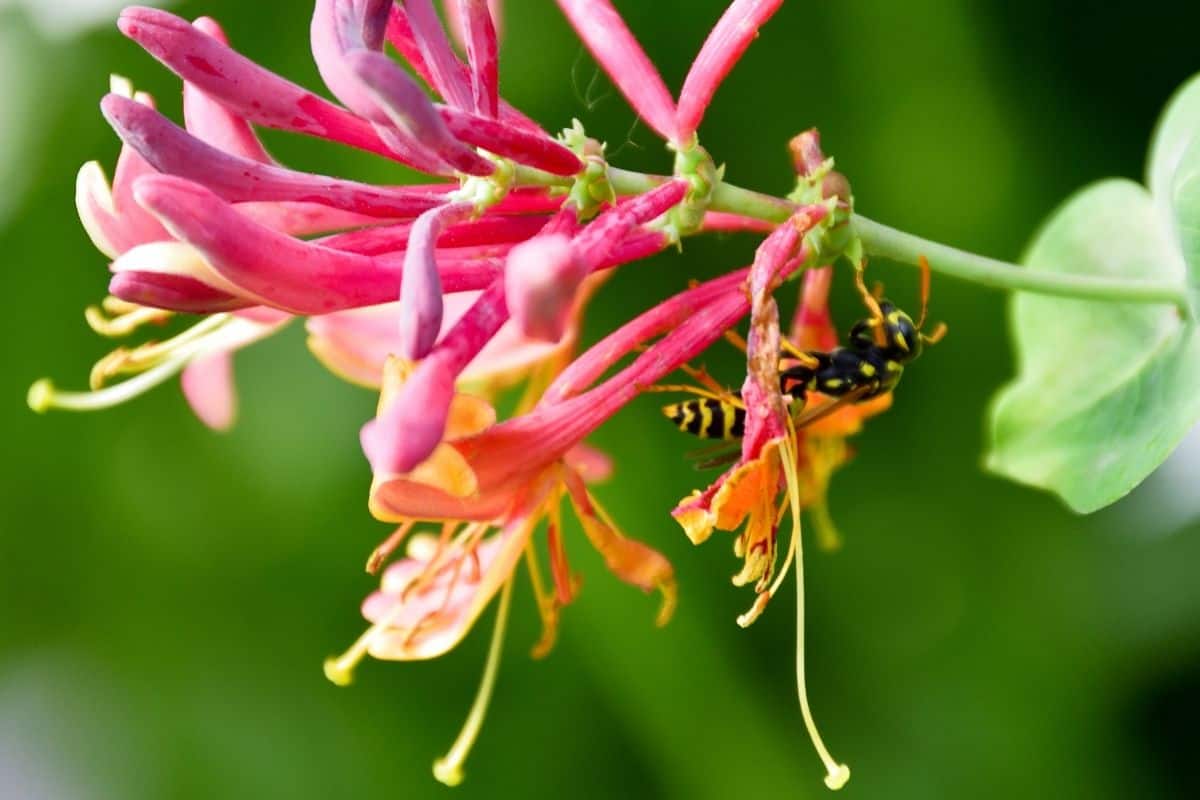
449,77
173,151
421,289
254,93
400,35
273,269
213,123
111,217
479,39
408,108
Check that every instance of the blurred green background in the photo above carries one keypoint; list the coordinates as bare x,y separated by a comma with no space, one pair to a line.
168,594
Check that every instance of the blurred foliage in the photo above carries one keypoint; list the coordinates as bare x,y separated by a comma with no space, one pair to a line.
169,594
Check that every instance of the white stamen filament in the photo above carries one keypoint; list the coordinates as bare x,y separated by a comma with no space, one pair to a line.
219,332
449,768
837,774
340,670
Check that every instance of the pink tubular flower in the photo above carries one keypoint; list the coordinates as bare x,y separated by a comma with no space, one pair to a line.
442,293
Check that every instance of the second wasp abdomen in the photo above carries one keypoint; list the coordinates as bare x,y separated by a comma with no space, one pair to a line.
707,418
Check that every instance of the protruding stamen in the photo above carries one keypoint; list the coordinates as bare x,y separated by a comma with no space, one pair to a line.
340,669
547,605
124,323
449,768
43,396
388,546
836,773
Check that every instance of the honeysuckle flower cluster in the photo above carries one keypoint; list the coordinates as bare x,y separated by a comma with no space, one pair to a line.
441,294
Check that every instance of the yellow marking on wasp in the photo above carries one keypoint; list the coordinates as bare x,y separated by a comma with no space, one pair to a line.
706,415
730,414
688,413
834,383
893,366
866,369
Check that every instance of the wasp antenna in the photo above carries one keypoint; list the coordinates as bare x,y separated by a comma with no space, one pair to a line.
939,332
871,303
923,263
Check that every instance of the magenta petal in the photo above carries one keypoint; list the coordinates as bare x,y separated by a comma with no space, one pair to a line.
421,289
207,384
481,233
541,277
408,108
340,27
613,45
173,292
276,269
211,122
173,151
608,230
250,91
533,148
400,36
449,77
482,54
407,430
729,38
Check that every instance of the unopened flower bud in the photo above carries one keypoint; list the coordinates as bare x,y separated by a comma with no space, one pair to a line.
541,277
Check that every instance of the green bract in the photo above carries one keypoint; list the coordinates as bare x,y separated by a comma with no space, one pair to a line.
1105,391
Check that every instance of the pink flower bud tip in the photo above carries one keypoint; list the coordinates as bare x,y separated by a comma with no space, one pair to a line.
540,280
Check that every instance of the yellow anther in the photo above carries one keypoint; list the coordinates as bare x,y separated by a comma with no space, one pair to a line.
41,396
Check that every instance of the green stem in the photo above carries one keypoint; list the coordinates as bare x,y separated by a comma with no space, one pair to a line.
880,240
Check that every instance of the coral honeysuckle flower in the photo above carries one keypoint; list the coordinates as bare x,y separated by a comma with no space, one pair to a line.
428,601
439,294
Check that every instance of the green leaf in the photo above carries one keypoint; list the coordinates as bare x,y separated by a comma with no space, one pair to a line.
1104,391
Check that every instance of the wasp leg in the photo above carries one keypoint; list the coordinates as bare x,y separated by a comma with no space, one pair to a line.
824,410
722,396
939,332
872,305
700,375
807,360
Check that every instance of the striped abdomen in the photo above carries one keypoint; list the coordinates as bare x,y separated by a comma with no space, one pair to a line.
707,418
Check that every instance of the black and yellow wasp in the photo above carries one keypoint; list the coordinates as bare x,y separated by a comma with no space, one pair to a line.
870,364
